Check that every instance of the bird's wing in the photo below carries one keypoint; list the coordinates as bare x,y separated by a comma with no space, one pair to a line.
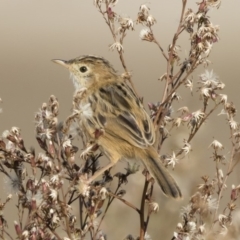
120,113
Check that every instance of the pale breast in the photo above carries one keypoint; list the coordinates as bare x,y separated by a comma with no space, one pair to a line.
87,119
75,81
85,110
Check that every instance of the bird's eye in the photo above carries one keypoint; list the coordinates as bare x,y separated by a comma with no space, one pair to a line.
83,69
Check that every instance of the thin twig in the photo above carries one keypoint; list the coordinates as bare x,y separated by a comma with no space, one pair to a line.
149,212
142,222
125,201
52,231
8,234
111,27
170,58
229,170
192,134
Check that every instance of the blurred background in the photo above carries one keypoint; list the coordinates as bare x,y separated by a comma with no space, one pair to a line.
34,32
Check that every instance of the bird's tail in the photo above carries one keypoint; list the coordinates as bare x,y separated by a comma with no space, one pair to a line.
161,174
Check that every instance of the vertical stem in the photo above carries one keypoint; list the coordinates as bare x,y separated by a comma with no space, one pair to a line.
142,222
149,212
229,169
81,212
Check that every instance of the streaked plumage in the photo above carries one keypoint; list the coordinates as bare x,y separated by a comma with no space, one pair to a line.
110,105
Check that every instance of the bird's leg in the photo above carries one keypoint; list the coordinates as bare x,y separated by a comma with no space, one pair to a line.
84,182
100,172
92,146
90,149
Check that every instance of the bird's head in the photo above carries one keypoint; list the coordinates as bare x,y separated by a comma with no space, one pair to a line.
87,70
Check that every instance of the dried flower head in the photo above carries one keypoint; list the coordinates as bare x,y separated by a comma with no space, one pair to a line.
150,20
186,148
116,46
12,183
146,35
216,145
189,84
82,188
125,24
233,124
223,98
153,207
132,168
208,79
171,160
103,193
214,3
53,194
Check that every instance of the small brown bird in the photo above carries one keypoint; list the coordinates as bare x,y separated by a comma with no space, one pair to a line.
111,106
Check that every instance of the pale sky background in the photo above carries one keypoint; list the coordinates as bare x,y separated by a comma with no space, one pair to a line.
34,32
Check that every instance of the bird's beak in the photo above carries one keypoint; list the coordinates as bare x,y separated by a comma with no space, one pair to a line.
61,62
